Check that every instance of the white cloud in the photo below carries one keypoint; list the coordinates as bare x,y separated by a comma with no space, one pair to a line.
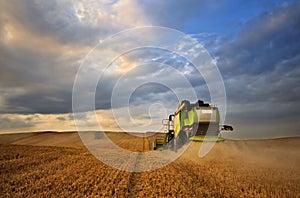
130,13
93,13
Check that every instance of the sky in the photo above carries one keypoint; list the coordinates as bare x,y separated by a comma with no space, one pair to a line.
255,45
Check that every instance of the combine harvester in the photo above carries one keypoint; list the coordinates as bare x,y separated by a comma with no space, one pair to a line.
195,122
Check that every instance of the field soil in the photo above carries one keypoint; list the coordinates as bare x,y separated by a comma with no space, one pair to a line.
52,164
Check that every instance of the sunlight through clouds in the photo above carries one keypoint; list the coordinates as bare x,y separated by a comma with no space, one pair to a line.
255,46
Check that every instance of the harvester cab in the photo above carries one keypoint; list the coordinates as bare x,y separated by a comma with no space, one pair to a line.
198,121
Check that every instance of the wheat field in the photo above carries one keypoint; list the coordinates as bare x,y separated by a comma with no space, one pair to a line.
58,165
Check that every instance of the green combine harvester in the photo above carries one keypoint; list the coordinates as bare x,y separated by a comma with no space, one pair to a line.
191,122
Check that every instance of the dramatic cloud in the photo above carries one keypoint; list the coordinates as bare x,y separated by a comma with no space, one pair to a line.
43,44
261,67
255,45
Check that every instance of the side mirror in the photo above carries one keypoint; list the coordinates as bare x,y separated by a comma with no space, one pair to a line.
227,128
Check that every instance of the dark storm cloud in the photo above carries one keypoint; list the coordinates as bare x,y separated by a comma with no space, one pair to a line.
261,69
21,65
147,92
41,47
260,64
268,41
41,82
42,75
40,101
37,69
265,58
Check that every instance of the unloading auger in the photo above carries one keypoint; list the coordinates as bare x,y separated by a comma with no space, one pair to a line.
191,122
